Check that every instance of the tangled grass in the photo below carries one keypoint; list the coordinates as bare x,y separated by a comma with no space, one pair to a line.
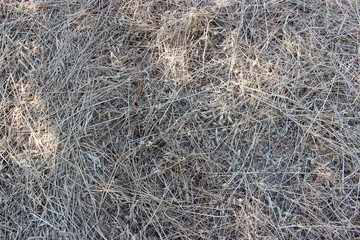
179,119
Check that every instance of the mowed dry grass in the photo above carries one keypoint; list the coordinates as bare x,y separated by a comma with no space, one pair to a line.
179,119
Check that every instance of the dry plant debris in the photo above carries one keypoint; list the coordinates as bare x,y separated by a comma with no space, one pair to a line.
179,119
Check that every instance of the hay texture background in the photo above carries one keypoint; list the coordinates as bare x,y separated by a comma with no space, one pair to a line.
179,119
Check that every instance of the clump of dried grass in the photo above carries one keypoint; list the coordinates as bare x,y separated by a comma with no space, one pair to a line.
179,119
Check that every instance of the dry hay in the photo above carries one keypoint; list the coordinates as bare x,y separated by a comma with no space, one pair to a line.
179,119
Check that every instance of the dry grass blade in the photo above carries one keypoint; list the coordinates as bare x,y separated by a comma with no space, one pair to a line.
201,119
